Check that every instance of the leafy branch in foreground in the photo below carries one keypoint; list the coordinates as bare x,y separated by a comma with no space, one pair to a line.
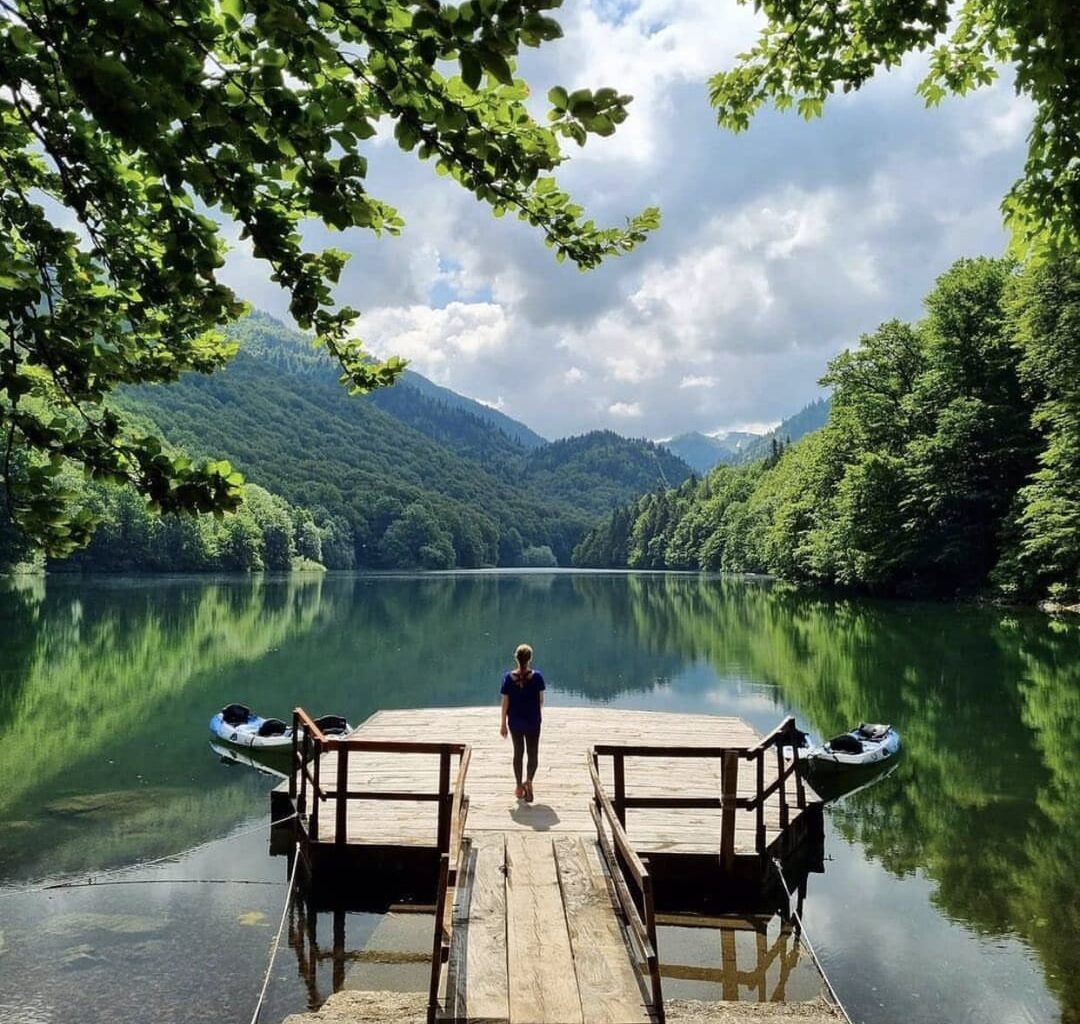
809,49
130,128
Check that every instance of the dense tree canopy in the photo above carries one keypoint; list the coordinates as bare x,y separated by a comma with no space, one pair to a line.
949,463
809,49
130,128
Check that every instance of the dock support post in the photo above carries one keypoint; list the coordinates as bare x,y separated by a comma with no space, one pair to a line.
341,810
729,784
339,949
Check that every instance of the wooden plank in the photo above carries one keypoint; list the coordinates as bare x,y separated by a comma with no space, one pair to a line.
608,984
476,980
542,984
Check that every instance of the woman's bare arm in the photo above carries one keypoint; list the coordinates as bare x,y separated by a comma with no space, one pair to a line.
505,710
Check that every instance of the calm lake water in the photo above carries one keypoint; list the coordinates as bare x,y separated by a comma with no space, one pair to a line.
951,889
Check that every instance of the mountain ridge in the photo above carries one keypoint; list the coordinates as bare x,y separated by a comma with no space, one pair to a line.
421,480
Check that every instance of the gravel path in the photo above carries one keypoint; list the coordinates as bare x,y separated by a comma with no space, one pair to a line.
411,1008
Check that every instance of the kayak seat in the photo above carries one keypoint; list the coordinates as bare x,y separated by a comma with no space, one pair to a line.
273,727
845,743
332,723
870,731
235,714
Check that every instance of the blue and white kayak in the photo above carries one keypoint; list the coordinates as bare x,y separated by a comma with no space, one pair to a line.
240,726
867,744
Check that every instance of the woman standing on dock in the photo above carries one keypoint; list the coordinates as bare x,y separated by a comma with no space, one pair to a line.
522,698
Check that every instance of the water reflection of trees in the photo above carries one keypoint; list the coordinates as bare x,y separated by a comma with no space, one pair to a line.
447,639
102,721
984,800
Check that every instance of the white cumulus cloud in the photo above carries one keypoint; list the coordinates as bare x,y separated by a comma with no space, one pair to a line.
779,246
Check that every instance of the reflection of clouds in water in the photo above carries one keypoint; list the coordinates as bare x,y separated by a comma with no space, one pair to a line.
918,958
744,700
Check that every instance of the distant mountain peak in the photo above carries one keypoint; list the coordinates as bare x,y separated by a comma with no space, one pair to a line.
704,451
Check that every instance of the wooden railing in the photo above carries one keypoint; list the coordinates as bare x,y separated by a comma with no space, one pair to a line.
309,743
308,746
448,876
785,735
626,869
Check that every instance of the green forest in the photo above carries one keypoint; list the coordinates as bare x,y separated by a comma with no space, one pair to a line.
949,465
412,476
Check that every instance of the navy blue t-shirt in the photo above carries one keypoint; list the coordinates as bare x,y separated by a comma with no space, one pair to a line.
524,712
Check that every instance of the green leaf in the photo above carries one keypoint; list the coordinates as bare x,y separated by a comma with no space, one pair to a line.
496,64
471,69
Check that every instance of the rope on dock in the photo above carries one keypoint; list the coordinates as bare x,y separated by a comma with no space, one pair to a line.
277,937
108,873
809,945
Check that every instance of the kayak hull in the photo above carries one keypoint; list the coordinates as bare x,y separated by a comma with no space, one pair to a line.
874,752
246,734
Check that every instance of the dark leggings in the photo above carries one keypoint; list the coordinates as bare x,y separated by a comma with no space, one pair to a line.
523,740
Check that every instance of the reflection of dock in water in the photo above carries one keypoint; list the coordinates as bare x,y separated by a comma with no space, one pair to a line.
548,911
747,958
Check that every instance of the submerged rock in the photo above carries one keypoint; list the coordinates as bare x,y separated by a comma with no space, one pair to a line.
253,918
79,956
117,924
114,802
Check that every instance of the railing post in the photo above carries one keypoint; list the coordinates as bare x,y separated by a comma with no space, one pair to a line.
760,839
800,786
729,783
781,778
301,803
437,939
316,761
619,767
295,750
445,798
342,808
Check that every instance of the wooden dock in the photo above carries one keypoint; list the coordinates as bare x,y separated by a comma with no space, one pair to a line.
546,912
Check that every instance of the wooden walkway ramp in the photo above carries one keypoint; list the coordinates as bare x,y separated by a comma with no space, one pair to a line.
537,937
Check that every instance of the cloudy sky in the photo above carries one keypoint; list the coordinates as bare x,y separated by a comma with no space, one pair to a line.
779,247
